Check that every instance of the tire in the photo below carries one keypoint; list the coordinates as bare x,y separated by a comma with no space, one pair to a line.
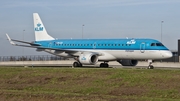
101,65
150,67
79,65
75,64
104,65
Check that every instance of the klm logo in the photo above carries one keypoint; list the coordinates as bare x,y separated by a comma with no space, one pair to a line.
131,42
39,27
83,58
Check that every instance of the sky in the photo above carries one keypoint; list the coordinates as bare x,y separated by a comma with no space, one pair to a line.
66,19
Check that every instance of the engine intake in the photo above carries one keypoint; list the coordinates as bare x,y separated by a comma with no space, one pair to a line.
88,59
128,62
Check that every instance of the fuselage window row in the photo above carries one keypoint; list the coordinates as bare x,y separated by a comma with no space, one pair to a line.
92,44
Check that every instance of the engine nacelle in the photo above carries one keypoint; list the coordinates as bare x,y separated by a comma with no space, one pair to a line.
88,59
128,62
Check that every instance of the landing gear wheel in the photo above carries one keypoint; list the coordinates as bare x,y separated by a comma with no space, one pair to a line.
80,65
101,65
104,65
77,64
150,67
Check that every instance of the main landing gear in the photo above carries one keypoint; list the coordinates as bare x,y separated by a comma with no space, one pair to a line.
105,64
150,65
77,64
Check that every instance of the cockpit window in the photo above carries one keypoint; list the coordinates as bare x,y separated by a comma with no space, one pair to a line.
157,44
153,44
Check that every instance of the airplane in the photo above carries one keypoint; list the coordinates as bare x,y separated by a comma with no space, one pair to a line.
126,51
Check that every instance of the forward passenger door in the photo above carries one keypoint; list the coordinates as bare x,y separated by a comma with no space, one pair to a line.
142,47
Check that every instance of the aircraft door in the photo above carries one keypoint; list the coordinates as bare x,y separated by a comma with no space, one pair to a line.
142,47
50,45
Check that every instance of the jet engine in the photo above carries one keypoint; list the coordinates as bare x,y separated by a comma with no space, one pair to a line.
128,62
88,58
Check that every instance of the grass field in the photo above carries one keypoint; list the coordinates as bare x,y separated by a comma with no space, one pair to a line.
94,84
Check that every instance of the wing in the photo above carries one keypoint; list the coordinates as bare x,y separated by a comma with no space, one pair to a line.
30,44
39,46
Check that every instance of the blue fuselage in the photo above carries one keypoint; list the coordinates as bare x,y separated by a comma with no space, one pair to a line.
105,44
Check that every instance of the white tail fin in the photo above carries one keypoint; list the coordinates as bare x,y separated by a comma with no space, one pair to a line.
40,31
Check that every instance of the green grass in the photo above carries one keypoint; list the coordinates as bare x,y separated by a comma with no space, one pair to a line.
67,84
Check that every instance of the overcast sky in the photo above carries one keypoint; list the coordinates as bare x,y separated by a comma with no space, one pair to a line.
101,19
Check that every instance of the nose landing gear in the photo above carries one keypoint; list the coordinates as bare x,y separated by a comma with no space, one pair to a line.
150,66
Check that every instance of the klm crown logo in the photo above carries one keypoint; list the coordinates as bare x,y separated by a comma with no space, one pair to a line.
131,42
83,58
38,28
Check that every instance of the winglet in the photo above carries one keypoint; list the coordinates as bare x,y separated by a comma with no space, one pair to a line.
11,42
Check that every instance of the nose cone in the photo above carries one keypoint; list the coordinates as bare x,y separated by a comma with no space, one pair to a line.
167,54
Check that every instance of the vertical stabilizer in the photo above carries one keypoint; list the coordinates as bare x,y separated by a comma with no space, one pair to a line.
40,31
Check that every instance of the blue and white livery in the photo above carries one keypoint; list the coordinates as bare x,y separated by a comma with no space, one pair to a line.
89,51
